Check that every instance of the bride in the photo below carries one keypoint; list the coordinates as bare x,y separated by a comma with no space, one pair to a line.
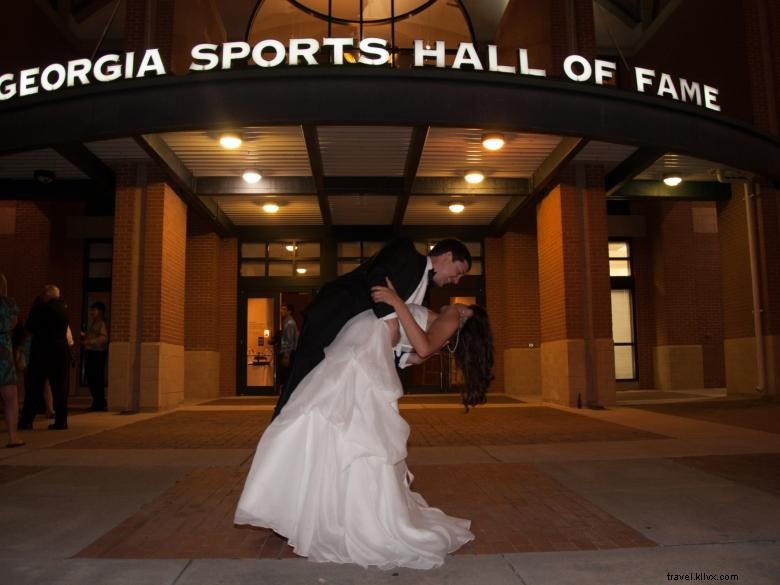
330,472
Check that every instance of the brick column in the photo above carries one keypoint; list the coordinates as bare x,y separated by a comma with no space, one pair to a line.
763,67
227,315
522,363
496,307
577,352
201,357
146,363
162,333
678,357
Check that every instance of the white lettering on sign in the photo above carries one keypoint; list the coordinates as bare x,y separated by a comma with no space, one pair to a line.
334,50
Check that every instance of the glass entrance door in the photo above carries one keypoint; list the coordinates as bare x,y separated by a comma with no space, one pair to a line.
260,361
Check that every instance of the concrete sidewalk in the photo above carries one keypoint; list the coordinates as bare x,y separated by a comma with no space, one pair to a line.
646,492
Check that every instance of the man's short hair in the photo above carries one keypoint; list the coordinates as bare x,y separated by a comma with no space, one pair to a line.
290,308
460,253
100,306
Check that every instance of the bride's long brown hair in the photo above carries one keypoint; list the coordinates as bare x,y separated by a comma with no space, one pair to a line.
474,356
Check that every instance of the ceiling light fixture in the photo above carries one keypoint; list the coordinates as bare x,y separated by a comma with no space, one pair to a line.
493,140
270,207
230,140
44,177
291,247
474,176
252,176
672,179
300,270
457,207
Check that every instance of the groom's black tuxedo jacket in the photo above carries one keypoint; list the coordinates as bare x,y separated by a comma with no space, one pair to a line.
350,294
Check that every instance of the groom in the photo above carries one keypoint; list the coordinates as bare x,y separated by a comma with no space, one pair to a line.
340,300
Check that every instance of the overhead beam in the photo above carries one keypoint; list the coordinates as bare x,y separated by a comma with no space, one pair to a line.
620,11
88,163
624,173
317,171
545,174
413,156
183,182
458,186
58,189
687,190
224,186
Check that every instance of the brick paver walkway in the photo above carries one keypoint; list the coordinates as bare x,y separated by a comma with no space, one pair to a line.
750,414
430,427
512,426
408,399
757,470
513,508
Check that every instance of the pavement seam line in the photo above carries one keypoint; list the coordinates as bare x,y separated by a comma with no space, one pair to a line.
183,569
515,572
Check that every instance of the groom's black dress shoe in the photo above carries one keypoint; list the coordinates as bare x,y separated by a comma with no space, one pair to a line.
56,427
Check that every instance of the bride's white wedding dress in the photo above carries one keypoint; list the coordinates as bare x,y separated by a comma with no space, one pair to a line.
330,473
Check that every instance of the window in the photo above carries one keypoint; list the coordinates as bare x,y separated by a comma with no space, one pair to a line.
99,257
289,258
623,333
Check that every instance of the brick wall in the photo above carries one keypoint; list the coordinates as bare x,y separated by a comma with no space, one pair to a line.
674,265
227,289
644,300
737,299
495,291
769,214
164,266
202,289
24,256
520,321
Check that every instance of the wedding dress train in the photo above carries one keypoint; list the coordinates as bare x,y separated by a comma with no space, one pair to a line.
330,472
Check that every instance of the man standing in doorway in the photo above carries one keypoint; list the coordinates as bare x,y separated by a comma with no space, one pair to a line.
287,344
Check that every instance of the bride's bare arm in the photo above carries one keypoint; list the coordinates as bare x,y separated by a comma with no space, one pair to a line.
424,344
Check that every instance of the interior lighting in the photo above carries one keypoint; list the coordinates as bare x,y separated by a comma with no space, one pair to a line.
300,270
291,247
493,141
474,176
457,207
672,179
252,176
230,140
270,207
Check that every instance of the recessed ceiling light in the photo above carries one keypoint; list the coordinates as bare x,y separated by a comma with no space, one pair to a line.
300,270
270,207
44,176
230,140
474,176
252,176
493,140
672,179
457,207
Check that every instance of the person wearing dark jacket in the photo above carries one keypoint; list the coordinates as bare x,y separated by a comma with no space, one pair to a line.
49,359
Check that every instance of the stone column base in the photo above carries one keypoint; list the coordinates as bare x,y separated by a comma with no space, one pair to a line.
119,393
162,375
678,367
522,371
201,374
741,373
564,371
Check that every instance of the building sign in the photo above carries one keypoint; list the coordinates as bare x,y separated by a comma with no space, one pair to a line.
341,51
